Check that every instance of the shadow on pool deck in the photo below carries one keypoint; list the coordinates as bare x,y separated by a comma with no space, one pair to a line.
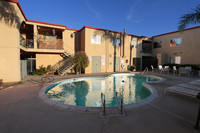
22,112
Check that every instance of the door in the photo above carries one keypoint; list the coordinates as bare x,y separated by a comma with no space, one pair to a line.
96,64
137,62
23,64
147,61
117,64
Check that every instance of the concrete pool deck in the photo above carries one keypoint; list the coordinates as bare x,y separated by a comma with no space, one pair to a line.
21,111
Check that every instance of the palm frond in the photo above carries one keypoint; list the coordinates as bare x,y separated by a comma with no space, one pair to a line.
192,18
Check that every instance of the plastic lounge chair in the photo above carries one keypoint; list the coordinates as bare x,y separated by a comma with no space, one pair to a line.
188,70
174,70
166,69
189,86
182,91
194,83
198,80
160,68
153,69
182,71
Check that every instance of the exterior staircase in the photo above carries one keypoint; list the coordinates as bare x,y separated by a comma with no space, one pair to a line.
66,54
64,65
68,64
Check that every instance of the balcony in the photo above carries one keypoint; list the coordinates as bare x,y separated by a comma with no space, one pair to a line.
36,38
27,43
50,44
147,46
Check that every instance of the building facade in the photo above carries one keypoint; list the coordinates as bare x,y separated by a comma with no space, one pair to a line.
178,47
27,44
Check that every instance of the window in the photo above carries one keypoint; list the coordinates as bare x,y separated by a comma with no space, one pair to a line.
156,45
147,46
96,39
116,41
175,42
133,43
178,60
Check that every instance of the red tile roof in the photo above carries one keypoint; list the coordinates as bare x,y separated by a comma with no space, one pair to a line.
176,31
72,29
46,23
104,30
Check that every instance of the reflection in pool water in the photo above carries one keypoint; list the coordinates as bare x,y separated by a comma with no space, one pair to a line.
87,92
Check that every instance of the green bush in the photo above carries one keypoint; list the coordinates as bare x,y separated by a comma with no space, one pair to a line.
130,68
82,61
42,70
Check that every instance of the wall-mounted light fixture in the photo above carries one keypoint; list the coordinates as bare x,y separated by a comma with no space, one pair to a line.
72,35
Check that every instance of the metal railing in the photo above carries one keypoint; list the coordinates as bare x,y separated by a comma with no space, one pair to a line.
119,105
27,43
145,70
103,102
66,64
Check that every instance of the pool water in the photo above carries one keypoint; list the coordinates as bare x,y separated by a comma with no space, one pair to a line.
87,91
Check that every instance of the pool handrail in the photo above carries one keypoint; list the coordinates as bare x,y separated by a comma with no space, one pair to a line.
120,106
103,102
146,69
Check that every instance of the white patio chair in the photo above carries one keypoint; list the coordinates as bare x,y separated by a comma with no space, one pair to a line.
174,70
188,70
153,69
166,69
160,69
182,71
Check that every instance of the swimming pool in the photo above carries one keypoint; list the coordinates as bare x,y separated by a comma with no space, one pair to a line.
87,91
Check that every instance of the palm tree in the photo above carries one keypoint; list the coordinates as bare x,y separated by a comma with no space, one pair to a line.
192,18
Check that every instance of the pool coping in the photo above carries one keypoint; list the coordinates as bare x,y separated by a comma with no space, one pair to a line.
42,96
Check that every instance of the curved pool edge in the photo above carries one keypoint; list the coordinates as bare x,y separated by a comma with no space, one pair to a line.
42,96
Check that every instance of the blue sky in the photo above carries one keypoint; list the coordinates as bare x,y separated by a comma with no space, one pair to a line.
139,17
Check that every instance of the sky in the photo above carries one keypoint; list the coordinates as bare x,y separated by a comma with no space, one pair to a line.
138,17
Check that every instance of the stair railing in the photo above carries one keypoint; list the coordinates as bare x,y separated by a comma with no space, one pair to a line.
145,70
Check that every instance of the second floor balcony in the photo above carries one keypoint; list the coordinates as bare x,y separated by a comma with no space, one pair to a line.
27,43
40,37
50,44
147,46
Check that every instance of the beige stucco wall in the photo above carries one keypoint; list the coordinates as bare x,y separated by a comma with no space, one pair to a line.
82,40
107,49
189,50
69,41
10,20
47,59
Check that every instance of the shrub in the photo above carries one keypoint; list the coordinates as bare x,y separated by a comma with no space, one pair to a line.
131,68
42,70
82,60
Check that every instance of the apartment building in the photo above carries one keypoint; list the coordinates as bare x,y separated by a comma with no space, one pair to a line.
178,47
27,44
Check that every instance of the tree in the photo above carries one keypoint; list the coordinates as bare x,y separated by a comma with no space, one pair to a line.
192,18
82,60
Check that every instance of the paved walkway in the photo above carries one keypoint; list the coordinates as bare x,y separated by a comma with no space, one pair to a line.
21,111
